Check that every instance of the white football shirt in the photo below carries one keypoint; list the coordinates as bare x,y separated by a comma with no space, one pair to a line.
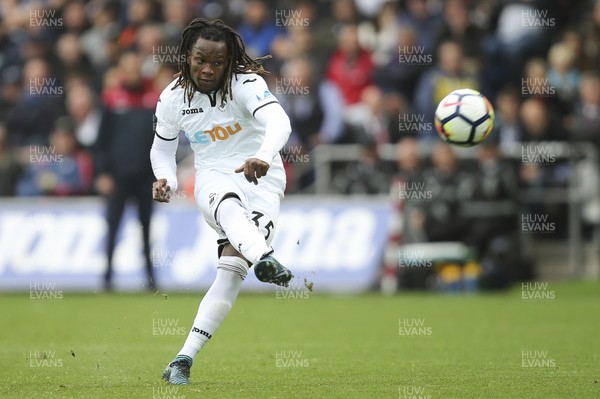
222,137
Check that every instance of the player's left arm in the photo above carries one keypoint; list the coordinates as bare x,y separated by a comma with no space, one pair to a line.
267,110
163,151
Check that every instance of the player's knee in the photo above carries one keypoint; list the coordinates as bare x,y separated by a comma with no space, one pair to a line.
231,195
228,198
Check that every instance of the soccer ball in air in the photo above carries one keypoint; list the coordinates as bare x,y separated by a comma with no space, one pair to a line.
464,117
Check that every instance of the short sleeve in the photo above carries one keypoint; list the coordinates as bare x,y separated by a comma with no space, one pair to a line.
251,91
165,126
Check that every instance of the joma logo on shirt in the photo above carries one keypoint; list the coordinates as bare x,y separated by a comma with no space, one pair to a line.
216,133
191,111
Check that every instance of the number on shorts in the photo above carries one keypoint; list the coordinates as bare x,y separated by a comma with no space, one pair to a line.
268,226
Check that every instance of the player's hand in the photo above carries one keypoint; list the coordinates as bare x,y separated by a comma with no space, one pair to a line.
161,192
253,169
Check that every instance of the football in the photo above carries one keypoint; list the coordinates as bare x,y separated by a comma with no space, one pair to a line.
464,117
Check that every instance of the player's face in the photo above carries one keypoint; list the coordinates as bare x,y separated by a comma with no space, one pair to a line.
208,61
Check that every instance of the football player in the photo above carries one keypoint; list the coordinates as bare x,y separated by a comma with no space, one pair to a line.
236,129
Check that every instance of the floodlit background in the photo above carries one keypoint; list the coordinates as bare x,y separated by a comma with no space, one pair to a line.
375,200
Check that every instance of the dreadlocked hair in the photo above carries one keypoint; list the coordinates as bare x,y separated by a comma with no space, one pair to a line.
239,61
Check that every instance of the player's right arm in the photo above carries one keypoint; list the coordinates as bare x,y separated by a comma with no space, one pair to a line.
162,154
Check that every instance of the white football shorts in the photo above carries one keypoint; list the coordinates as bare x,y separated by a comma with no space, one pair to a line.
260,200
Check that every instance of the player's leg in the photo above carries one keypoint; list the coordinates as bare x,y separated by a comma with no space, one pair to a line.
264,212
233,216
214,308
227,202
250,230
214,190
232,268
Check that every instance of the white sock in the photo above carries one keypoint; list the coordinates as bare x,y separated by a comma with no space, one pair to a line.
241,230
216,304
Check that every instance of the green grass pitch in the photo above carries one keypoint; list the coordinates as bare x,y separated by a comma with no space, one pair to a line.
366,346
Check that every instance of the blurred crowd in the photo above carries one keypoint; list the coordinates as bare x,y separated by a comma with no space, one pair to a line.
79,82
347,71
